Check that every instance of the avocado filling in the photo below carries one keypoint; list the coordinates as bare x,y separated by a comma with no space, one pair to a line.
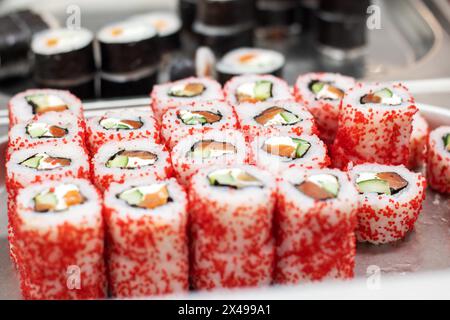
234,178
320,187
42,103
146,197
325,90
287,147
133,159
384,96
276,116
42,161
120,124
58,199
38,130
388,183
254,91
199,117
446,139
211,149
187,90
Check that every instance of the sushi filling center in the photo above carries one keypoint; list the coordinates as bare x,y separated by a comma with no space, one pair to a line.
325,90
276,116
287,147
233,178
187,90
254,91
198,117
58,198
42,161
384,96
446,139
133,159
121,124
211,149
254,59
42,103
388,183
43,130
146,197
320,187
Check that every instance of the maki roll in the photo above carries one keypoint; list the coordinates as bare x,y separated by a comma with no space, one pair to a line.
321,94
27,104
256,88
121,161
316,217
64,59
187,10
375,125
276,17
390,201
214,147
250,61
419,142
197,118
438,159
59,240
147,238
231,212
277,152
121,125
281,117
184,92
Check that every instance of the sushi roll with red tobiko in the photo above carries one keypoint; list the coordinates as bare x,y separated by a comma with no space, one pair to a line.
419,142
438,159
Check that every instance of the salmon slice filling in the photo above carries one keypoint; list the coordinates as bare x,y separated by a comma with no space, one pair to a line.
131,159
121,124
233,178
388,183
42,161
384,96
146,197
38,130
287,147
58,198
320,187
187,90
211,149
199,117
276,116
254,91
42,103
325,90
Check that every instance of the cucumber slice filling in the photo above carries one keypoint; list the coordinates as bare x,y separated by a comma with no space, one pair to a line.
320,187
276,116
188,90
384,96
131,159
286,147
211,149
42,103
325,90
37,130
121,124
388,183
58,199
254,91
146,197
42,161
233,178
199,117
446,139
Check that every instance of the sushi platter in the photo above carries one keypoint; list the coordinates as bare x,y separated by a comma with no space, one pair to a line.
171,172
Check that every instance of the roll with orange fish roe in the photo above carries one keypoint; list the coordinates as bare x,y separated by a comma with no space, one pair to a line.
438,159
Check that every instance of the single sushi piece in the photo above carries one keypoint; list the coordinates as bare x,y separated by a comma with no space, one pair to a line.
205,62
122,161
183,92
47,128
25,105
256,88
243,61
231,212
375,125
147,238
390,199
168,26
121,125
214,147
187,10
225,13
316,216
419,142
281,117
59,240
198,118
277,152
438,159
321,94
64,59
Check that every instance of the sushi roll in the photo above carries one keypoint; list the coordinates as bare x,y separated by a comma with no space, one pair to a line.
197,118
275,16
321,94
122,161
316,216
147,238
390,201
27,104
375,125
243,61
438,160
281,117
214,147
183,92
256,88
47,128
277,152
231,213
59,232
121,125
419,142
64,59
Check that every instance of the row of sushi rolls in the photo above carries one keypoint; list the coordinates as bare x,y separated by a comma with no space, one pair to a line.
247,184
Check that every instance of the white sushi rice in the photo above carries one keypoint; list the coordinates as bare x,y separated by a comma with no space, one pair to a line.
57,41
418,143
166,23
126,32
438,165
